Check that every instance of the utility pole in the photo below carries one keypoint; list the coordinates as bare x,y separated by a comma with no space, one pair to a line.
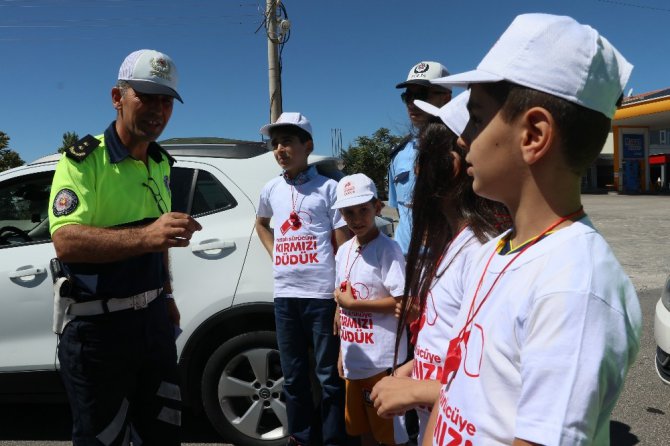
274,74
336,142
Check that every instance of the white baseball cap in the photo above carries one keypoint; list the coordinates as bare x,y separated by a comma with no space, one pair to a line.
454,113
354,189
423,72
556,55
289,118
150,72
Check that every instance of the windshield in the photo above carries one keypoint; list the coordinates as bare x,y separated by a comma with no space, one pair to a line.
24,205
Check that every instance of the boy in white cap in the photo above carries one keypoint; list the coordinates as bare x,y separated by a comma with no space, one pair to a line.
300,201
370,279
550,323
401,169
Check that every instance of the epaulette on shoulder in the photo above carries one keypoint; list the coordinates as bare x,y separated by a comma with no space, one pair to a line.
82,148
401,145
170,158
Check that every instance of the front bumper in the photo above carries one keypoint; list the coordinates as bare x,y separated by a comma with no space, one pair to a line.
662,337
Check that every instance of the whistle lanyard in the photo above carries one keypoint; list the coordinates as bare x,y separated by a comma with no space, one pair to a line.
294,199
438,275
359,251
415,325
293,218
454,354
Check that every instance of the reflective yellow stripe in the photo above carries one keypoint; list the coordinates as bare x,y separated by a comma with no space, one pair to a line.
169,415
169,391
109,434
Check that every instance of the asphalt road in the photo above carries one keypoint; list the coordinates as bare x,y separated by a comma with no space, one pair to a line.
637,227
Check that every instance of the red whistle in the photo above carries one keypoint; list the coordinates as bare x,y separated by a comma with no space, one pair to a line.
295,221
343,286
453,360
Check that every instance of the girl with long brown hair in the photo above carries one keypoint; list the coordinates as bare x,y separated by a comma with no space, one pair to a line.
449,223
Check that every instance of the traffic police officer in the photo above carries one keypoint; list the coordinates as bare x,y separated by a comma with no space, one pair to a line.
111,226
401,177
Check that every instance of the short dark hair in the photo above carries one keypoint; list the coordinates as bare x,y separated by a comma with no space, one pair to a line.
373,201
582,131
292,130
123,86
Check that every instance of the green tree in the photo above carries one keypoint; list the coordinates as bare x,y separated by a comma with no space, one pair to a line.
8,157
371,155
69,138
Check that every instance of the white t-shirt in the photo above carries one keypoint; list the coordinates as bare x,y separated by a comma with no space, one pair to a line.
442,305
549,350
375,271
303,258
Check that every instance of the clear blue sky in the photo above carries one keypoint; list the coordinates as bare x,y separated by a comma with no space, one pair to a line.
60,58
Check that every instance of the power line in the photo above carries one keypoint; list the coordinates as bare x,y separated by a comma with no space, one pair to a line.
29,29
120,21
105,3
633,5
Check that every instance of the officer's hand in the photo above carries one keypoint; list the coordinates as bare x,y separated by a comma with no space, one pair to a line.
173,312
173,229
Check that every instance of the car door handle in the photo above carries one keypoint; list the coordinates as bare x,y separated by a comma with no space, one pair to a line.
27,272
209,245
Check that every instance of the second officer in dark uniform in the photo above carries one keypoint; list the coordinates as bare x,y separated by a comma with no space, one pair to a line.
112,227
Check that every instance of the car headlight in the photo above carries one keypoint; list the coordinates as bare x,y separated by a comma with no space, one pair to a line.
665,296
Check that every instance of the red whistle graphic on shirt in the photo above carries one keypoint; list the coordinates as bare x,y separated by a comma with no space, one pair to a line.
292,222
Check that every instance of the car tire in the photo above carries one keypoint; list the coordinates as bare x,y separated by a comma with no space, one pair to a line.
242,385
663,365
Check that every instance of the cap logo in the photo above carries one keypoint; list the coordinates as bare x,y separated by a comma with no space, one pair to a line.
349,188
160,67
421,68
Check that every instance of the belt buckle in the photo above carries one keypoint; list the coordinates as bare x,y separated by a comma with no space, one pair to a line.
140,301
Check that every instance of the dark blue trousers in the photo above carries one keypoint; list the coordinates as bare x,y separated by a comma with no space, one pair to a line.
303,324
120,374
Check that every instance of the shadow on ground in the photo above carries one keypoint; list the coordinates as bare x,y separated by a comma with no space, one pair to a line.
620,435
52,422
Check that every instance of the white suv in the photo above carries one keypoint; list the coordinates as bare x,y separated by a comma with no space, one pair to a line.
222,282
662,334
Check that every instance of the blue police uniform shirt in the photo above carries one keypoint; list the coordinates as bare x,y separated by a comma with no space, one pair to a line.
401,187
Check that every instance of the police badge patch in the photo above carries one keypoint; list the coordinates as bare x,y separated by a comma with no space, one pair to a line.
65,203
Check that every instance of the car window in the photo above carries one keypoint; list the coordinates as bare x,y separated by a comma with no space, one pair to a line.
198,192
24,204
